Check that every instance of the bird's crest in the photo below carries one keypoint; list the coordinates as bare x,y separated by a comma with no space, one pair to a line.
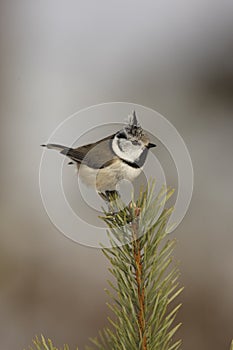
134,128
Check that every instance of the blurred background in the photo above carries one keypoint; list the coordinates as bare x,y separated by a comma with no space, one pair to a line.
60,56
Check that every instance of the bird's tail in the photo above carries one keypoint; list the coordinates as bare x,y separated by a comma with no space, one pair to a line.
62,149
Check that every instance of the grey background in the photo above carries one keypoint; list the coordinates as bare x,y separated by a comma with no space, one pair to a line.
60,56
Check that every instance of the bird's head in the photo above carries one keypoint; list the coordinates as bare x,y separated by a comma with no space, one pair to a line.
130,142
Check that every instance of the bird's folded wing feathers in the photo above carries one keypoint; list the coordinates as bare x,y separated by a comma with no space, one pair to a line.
95,155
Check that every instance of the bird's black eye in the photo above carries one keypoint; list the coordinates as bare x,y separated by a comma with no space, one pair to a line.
135,143
122,135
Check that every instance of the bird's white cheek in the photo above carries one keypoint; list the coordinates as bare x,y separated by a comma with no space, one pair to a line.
130,154
116,149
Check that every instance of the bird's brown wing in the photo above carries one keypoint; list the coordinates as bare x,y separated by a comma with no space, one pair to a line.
95,155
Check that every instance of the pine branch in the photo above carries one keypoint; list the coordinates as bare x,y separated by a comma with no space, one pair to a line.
43,344
137,251
146,281
146,278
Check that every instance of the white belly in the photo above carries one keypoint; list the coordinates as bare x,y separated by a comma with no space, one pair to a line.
129,172
107,178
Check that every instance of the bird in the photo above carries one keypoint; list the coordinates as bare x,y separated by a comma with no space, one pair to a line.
120,156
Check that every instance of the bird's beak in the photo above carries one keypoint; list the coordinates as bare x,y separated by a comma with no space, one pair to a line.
150,145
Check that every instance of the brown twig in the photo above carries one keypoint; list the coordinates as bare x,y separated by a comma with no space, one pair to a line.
138,275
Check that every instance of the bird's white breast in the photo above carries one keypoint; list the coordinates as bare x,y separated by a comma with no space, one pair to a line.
129,172
107,178
88,175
